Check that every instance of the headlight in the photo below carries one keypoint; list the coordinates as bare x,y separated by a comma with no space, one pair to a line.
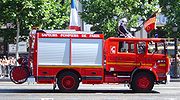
161,61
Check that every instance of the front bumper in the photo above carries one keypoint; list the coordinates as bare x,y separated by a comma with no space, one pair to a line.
163,80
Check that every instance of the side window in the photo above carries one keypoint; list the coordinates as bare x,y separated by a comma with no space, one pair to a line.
155,48
131,48
141,47
121,47
126,47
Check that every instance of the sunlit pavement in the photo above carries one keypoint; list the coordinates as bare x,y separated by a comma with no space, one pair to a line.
10,91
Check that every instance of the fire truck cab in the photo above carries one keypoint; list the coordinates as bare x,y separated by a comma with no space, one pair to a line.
68,58
139,62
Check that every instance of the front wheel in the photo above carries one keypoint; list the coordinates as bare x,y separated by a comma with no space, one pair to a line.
68,82
142,82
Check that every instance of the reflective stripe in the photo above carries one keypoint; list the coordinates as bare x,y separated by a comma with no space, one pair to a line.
162,65
131,64
147,64
116,63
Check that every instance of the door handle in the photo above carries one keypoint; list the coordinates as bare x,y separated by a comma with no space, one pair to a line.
140,63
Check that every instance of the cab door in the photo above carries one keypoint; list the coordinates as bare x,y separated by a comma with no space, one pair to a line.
121,56
143,57
126,56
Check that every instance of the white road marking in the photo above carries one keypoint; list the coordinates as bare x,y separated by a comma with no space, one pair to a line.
47,98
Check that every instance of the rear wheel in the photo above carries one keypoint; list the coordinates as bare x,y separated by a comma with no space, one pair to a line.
142,82
68,82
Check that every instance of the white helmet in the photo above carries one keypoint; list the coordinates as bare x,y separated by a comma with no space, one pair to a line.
123,21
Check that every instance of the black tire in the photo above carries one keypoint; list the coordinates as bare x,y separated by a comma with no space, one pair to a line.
68,82
142,82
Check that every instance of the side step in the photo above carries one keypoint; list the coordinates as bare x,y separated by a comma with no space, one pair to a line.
117,79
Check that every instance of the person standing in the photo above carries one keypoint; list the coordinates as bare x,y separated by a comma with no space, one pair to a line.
122,31
178,64
1,68
5,63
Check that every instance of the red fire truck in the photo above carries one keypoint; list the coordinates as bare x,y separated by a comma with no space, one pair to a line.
68,58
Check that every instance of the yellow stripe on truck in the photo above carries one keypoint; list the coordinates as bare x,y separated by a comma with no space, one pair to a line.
162,65
115,63
130,64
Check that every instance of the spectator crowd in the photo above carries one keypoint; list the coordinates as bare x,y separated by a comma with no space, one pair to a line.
6,64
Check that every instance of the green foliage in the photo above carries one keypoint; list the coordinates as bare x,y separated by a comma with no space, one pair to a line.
171,9
8,34
46,14
49,14
100,13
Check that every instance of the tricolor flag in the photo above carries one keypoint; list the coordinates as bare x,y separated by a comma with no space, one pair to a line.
74,17
150,24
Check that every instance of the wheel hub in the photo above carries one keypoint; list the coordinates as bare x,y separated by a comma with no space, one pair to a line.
143,82
68,82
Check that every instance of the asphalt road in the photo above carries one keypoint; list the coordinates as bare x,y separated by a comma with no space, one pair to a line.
10,91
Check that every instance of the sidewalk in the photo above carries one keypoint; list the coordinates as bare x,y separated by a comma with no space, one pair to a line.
4,79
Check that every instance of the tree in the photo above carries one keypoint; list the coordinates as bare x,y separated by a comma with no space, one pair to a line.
51,14
24,14
46,14
11,11
171,9
102,13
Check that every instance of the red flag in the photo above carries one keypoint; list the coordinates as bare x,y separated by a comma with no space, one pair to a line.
150,24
